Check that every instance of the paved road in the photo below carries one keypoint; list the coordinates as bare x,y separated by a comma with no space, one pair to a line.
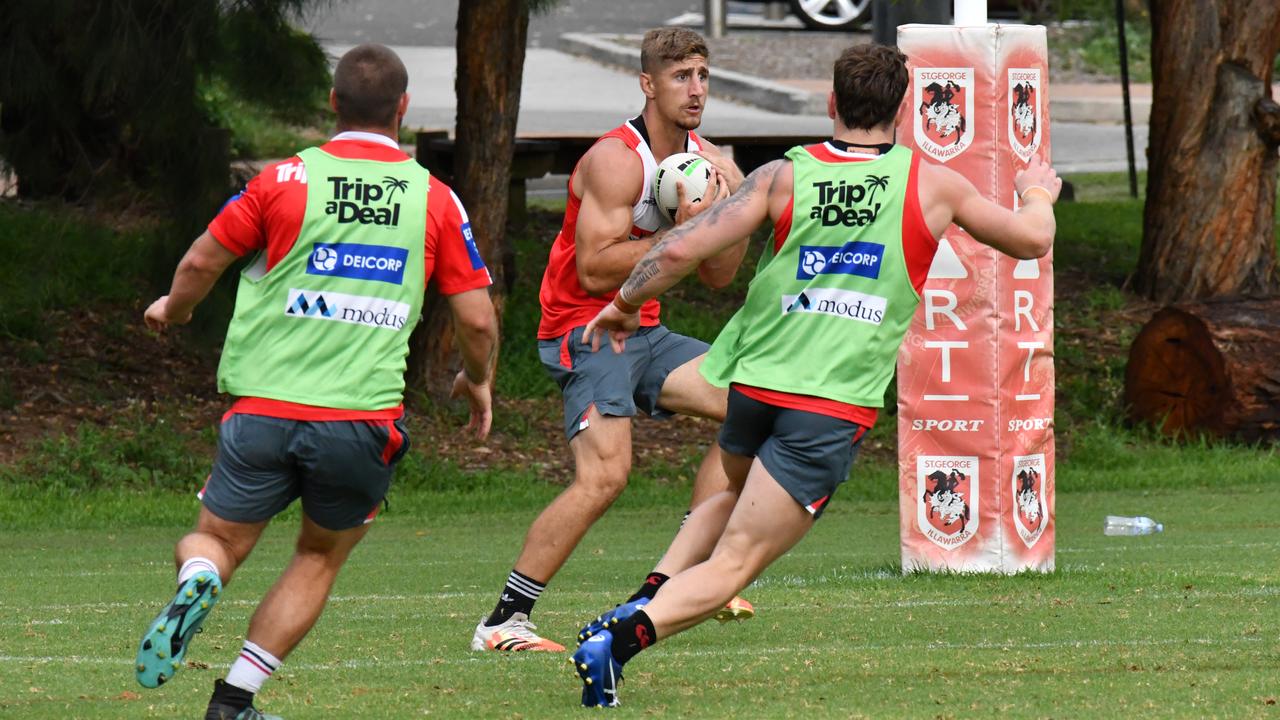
432,22
599,97
567,94
595,99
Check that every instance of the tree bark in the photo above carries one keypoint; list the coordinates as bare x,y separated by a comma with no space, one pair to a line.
1209,367
491,50
1211,184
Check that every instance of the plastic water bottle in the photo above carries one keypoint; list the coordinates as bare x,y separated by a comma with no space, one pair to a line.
1117,525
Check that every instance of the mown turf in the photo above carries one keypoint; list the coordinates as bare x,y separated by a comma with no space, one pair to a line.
1181,624
1178,625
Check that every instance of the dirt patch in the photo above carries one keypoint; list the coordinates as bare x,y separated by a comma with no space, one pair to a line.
102,365
97,365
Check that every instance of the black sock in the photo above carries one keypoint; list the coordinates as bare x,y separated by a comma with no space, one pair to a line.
518,596
650,586
227,701
632,635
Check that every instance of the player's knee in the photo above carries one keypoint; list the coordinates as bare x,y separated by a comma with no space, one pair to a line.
729,563
718,405
735,560
604,483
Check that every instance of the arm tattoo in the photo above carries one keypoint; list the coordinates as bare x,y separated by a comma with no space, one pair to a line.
650,267
646,270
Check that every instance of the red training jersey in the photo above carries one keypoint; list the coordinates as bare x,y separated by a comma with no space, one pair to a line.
565,305
267,216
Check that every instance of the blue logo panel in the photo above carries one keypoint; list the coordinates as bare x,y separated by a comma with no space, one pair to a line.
852,258
379,263
468,237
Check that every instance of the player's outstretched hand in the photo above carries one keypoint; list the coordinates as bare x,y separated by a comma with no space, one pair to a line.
157,315
613,323
481,400
1038,174
726,167
717,190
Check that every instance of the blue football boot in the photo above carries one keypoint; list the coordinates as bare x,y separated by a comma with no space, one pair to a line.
609,618
600,673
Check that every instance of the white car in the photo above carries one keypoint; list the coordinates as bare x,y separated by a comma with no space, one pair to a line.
828,14
853,14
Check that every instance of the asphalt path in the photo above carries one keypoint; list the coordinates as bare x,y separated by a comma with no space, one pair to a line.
566,94
433,22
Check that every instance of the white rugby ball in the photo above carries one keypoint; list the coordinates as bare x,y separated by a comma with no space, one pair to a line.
688,169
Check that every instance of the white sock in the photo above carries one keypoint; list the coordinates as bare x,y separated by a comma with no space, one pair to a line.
196,565
252,668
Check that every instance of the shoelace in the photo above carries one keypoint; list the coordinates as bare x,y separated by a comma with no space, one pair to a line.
524,630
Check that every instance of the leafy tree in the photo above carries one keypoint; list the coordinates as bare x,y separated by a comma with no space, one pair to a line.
100,94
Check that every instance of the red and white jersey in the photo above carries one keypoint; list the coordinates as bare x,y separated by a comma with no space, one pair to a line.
646,218
565,305
267,216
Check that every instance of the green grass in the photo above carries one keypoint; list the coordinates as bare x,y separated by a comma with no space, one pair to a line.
257,129
54,262
1175,625
1104,187
1092,49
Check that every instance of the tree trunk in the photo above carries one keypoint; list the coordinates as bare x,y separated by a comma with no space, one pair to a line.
491,50
1209,367
1211,183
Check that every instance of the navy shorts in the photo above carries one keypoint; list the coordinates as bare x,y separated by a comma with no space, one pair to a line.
615,384
340,468
807,453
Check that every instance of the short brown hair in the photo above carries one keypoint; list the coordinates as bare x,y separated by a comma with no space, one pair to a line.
368,83
668,45
870,81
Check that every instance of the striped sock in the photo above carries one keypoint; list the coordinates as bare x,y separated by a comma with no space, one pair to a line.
195,566
252,668
518,596
685,519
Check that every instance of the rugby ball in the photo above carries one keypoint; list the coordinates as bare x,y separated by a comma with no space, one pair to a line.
688,169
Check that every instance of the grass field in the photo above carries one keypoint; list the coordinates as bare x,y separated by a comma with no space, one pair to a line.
1181,624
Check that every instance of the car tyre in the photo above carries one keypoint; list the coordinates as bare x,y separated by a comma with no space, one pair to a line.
832,14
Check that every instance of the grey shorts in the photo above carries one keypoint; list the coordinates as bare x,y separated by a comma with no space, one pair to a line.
340,468
616,385
809,454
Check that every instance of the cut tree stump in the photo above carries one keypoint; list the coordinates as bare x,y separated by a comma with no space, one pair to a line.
1212,366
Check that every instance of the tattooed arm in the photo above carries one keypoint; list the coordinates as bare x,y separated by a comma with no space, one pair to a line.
682,248
718,270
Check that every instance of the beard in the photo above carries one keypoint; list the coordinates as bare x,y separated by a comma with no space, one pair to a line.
684,122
